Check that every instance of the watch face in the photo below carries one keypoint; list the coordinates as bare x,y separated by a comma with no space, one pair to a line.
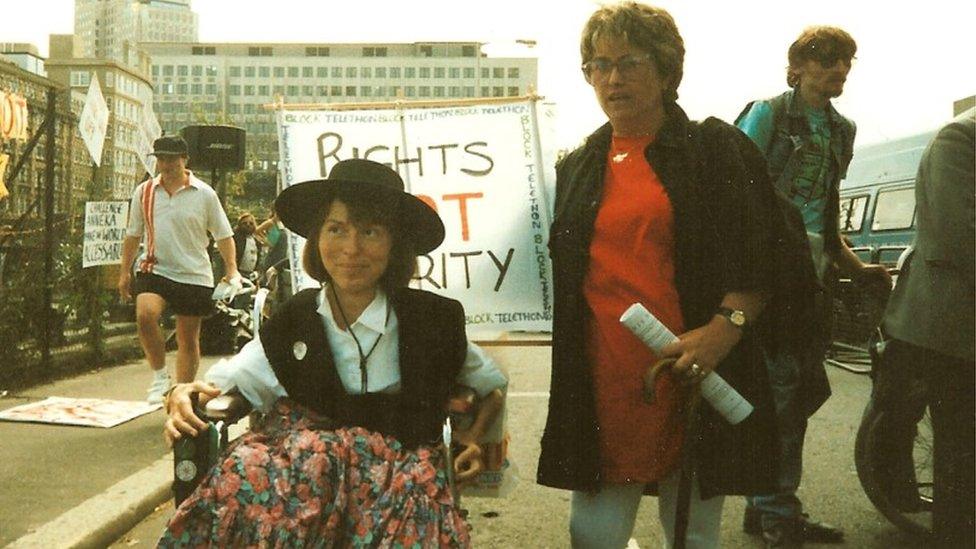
738,318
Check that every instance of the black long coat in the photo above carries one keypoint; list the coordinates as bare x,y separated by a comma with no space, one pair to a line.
722,199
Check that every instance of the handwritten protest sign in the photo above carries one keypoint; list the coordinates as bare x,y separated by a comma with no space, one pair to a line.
104,232
480,166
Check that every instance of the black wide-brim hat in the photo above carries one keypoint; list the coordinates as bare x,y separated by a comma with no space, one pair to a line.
300,206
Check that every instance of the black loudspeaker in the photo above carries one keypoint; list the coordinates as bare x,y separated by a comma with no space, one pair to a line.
215,147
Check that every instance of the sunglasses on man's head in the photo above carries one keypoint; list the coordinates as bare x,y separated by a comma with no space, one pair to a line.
628,66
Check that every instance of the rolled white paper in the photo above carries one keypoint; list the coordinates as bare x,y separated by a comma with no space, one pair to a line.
715,390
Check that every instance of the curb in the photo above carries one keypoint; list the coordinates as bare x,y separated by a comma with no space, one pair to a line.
102,519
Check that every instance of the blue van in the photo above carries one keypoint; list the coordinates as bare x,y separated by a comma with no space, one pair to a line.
877,199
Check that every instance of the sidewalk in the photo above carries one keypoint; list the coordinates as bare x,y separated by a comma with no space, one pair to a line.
76,486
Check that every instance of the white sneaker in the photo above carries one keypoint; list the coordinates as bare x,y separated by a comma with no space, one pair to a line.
157,388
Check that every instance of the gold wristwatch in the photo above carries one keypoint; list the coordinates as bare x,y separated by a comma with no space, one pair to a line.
735,316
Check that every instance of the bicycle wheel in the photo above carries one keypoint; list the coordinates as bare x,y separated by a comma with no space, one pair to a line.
908,504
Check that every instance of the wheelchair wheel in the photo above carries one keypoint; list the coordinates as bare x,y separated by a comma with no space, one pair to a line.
906,504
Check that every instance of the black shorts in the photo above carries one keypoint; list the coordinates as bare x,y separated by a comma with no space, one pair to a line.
183,299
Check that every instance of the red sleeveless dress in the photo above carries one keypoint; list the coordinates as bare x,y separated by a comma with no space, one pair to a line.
631,260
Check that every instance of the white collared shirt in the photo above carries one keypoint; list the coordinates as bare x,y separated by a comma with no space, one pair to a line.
181,222
251,374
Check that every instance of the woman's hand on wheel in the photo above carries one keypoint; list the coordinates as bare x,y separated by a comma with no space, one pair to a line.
701,350
468,462
179,408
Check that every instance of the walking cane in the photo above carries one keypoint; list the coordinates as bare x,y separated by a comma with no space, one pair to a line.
688,452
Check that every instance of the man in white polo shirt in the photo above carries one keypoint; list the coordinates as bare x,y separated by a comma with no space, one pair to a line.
171,215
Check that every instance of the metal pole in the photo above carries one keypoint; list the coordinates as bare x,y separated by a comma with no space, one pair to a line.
47,295
95,288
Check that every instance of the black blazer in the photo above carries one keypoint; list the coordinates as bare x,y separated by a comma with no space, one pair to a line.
432,349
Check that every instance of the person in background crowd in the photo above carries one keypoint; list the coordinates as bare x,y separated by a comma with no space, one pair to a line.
808,146
171,215
674,214
932,325
247,244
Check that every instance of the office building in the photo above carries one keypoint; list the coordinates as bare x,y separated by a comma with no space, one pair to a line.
222,83
112,29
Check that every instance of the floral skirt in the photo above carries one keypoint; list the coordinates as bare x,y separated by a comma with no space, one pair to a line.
288,484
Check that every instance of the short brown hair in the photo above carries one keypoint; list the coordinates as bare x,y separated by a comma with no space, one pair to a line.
647,27
815,43
403,259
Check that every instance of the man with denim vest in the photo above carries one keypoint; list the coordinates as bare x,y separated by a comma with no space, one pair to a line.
808,147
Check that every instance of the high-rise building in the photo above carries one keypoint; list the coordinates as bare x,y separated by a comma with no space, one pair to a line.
221,83
112,29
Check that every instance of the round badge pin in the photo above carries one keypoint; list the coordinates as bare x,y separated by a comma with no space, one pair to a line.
299,350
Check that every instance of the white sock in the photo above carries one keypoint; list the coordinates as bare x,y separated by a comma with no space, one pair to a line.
161,373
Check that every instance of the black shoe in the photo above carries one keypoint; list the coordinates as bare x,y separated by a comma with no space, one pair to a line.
782,534
817,532
752,522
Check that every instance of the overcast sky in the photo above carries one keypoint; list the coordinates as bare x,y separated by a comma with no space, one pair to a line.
913,59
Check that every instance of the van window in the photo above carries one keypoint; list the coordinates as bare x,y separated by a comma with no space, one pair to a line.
895,210
852,210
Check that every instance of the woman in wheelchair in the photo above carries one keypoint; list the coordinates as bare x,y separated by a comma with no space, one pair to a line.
354,379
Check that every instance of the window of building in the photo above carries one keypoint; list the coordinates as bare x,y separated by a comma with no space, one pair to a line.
155,70
259,51
335,91
485,91
308,72
410,72
365,91
182,70
469,72
513,91
513,72
381,51
167,70
852,210
454,72
322,72
438,91
203,50
894,210
498,72
235,71
425,72
467,51
410,91
485,72
292,72
367,72
249,90
249,72
394,72
196,70
317,51
380,72
497,91
439,72
454,91
250,108
80,78
279,72
211,70
469,91
263,90
181,89
292,91
351,91
426,51
308,90
336,72
322,91
278,89
264,72
211,89
369,51
351,72
424,91
234,89
196,89
167,89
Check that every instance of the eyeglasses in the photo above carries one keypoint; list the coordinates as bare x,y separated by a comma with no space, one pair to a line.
828,57
599,69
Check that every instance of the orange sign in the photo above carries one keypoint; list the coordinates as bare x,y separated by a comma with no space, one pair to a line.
13,116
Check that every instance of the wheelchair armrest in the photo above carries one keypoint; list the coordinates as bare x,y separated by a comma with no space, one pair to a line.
229,408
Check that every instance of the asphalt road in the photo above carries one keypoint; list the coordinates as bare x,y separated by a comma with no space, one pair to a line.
534,516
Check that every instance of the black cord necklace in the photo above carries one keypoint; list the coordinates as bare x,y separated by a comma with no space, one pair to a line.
363,358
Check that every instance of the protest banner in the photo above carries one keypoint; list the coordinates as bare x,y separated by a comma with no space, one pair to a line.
104,232
94,121
479,164
149,130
